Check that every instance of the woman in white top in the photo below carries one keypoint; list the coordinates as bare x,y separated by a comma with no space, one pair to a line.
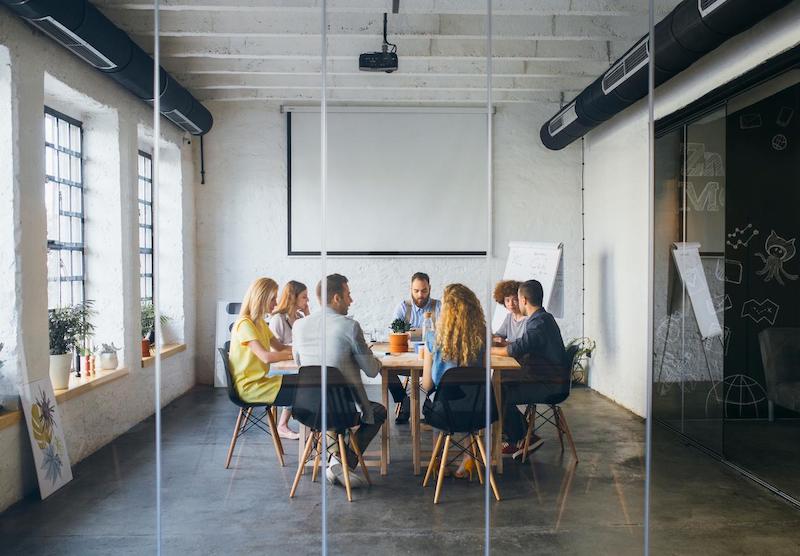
505,293
293,305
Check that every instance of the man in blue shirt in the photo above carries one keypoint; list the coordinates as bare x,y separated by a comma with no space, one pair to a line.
413,312
540,351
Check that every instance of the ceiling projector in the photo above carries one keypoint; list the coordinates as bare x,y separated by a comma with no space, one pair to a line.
378,61
385,60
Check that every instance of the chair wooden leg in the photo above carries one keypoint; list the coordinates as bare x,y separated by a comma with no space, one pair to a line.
488,464
437,445
530,412
442,467
276,440
345,467
301,464
563,421
476,460
361,462
557,419
317,456
236,430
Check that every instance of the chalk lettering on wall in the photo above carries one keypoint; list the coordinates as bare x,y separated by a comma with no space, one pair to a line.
749,121
785,116
779,251
761,310
741,237
707,200
700,162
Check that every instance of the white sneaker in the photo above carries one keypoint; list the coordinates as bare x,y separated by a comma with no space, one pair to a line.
335,475
536,441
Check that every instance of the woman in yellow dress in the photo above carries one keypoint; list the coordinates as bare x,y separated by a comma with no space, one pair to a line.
250,354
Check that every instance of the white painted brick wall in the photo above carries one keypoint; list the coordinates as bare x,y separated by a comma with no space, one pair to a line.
241,219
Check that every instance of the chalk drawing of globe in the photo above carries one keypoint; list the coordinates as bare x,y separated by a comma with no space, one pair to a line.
779,142
739,395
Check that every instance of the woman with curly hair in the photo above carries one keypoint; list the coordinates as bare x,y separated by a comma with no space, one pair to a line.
505,294
459,341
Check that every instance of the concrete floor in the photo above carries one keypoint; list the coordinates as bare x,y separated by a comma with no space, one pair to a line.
549,506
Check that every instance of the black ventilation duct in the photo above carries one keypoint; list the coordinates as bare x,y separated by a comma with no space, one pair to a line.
693,29
83,29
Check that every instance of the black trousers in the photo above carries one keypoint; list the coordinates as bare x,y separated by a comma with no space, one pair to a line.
396,389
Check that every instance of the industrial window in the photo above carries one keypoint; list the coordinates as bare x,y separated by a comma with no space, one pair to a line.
146,227
66,273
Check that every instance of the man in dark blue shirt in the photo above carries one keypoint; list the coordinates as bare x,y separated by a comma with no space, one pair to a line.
540,351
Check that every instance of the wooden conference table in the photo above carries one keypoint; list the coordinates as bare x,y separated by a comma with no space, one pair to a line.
410,364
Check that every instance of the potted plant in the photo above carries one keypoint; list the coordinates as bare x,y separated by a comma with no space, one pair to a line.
108,357
398,339
68,328
149,327
580,364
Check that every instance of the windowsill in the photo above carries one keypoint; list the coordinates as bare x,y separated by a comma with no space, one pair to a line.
167,351
77,387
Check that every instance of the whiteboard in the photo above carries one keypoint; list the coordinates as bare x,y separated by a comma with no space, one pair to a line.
690,268
400,181
535,261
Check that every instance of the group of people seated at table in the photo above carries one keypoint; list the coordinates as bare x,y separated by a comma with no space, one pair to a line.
268,331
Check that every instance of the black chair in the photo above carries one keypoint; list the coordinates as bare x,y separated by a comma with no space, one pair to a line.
342,416
246,420
459,408
550,392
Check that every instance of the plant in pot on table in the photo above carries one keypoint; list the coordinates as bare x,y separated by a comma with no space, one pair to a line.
398,339
69,327
149,327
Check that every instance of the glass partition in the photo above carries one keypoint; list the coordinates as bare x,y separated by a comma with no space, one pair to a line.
406,223
724,304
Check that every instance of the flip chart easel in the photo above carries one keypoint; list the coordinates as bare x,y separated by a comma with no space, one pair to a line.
540,261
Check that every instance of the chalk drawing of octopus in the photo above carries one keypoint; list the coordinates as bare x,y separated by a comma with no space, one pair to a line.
779,251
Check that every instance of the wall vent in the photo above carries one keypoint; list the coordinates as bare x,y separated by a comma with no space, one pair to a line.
563,119
73,42
705,7
177,118
630,64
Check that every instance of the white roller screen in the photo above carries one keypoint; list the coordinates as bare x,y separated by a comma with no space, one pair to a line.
405,181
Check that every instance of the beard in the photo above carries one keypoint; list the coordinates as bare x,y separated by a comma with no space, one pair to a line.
421,302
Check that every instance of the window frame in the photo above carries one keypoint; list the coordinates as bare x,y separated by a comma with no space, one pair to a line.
149,229
58,244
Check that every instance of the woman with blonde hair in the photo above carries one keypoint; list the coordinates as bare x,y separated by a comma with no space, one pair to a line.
505,294
459,341
250,355
292,306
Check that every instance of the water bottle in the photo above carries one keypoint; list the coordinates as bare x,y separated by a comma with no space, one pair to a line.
427,325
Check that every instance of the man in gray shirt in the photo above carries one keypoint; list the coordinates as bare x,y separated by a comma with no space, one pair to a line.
345,349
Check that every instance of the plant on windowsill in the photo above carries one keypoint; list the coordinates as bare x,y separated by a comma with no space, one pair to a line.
398,339
108,357
69,327
149,327
580,363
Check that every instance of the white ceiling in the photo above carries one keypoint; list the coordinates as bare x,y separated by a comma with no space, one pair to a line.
235,50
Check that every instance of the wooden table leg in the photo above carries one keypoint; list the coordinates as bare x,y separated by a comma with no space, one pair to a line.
415,432
497,432
385,427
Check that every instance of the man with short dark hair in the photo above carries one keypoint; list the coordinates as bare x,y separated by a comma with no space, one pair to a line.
540,351
345,349
413,312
